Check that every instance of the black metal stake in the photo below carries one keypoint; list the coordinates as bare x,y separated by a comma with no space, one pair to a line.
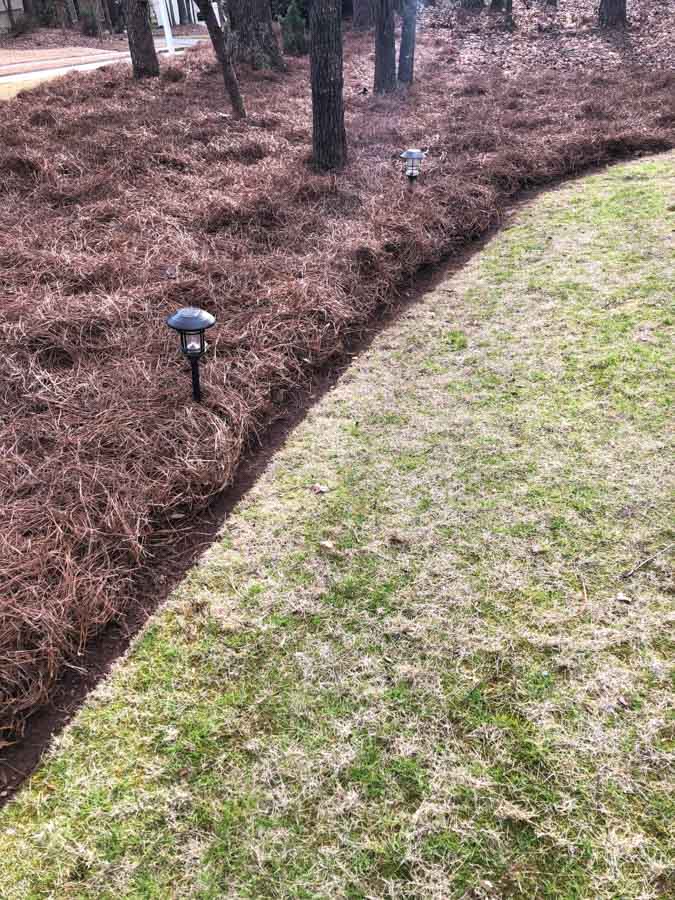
196,387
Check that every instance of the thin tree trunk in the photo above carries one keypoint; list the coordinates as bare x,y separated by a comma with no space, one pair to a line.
10,13
28,8
141,45
103,15
363,17
385,48
612,13
406,56
254,38
72,12
497,6
221,39
329,139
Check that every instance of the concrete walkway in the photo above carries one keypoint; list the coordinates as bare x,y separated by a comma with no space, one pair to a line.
23,69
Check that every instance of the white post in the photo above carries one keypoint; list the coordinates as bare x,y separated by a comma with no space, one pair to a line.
166,26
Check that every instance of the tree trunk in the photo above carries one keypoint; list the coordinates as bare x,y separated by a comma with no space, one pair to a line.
612,13
221,38
472,4
385,48
103,16
10,14
497,6
28,8
141,45
71,9
182,13
364,15
255,41
508,9
406,56
329,139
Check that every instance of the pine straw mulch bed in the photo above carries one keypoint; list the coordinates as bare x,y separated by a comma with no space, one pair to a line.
120,202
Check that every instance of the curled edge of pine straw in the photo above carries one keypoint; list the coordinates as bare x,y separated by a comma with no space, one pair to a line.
122,201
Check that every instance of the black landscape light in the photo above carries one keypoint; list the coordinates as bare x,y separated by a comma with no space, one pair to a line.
413,161
191,323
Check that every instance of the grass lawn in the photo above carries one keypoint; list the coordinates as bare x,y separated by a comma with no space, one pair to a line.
411,667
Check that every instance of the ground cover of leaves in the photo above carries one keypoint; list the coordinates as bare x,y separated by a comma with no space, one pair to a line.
430,655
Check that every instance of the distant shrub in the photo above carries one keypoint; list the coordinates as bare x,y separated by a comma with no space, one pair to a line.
293,31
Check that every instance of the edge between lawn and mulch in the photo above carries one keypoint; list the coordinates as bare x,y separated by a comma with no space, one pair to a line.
429,655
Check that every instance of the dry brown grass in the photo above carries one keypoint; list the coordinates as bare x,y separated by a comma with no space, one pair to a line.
120,202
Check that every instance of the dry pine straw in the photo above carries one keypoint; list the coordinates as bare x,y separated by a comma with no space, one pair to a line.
121,201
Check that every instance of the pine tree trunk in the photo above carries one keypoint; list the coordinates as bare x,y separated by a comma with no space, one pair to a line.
182,13
406,56
385,48
363,18
141,45
72,12
221,39
612,13
103,16
255,41
329,139
497,6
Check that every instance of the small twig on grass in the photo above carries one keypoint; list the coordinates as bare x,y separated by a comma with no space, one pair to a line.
649,559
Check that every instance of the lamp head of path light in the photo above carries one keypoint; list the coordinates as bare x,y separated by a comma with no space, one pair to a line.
191,324
413,162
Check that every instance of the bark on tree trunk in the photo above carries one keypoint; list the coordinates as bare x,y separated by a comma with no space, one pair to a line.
329,139
10,13
182,12
254,38
141,45
385,48
497,6
612,13
103,16
221,38
364,15
508,9
28,8
406,56
72,12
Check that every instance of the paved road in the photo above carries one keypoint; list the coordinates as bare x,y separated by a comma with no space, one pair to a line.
22,69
